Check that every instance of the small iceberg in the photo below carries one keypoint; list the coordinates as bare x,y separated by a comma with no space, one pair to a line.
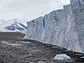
14,44
4,42
25,42
11,44
62,57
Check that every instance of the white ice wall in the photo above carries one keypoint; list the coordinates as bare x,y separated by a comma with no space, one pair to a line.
61,28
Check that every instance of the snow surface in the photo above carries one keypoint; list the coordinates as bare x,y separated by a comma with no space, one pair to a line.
61,57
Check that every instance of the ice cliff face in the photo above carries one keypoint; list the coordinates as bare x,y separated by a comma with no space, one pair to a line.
63,27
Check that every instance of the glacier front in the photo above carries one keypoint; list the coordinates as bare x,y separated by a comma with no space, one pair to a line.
63,27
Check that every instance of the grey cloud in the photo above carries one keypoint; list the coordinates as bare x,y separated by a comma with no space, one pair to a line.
28,9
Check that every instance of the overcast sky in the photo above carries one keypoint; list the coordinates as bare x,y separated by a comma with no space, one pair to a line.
26,10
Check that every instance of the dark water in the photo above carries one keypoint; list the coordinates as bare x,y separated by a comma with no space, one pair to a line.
13,49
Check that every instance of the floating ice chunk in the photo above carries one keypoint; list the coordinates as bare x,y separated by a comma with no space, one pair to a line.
4,42
62,57
25,42
14,44
82,57
11,44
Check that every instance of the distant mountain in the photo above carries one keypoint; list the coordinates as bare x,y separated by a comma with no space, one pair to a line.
12,26
16,26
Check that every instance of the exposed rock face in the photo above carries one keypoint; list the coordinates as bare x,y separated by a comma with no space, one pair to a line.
63,27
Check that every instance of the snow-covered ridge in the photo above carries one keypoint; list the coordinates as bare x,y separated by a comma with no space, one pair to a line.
64,27
12,26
